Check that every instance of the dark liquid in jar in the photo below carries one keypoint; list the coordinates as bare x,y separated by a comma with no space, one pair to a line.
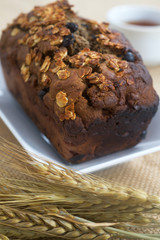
144,23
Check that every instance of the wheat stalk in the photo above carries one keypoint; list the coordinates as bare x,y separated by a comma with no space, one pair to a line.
3,237
84,195
43,189
63,225
26,225
33,203
73,180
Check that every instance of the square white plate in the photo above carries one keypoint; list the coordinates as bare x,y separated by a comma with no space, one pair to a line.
33,141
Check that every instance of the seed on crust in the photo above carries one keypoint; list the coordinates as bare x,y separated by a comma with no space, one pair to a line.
33,19
69,113
84,71
15,31
60,54
60,64
56,40
85,57
61,99
25,72
45,79
64,31
63,74
28,59
46,64
96,78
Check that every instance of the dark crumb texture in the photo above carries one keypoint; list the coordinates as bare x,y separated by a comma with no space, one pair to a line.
82,83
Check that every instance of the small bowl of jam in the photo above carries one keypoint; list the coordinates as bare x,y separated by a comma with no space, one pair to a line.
141,25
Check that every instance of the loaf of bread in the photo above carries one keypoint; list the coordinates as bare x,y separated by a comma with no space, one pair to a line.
82,83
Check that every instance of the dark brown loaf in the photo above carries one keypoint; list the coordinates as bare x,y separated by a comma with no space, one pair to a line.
83,84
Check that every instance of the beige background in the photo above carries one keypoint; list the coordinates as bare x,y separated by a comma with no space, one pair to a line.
142,172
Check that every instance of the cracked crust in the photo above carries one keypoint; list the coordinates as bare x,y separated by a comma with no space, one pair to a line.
82,83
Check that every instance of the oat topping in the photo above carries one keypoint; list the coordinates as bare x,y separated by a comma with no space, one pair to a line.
85,57
94,24
84,71
28,59
116,45
60,64
57,65
55,69
107,38
45,79
63,74
46,24
22,19
33,40
61,99
69,113
37,56
53,29
100,80
50,14
115,63
46,64
32,19
15,31
106,86
64,31
103,39
58,41
104,28
60,54
123,64
96,78
25,72
35,29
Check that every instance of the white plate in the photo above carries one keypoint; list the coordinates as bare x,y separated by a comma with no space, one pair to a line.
32,140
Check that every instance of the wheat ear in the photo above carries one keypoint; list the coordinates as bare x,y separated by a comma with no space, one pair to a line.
26,225
3,237
84,195
36,225
33,203
31,184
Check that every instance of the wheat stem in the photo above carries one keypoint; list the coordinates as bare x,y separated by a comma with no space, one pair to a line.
3,237
102,195
32,193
